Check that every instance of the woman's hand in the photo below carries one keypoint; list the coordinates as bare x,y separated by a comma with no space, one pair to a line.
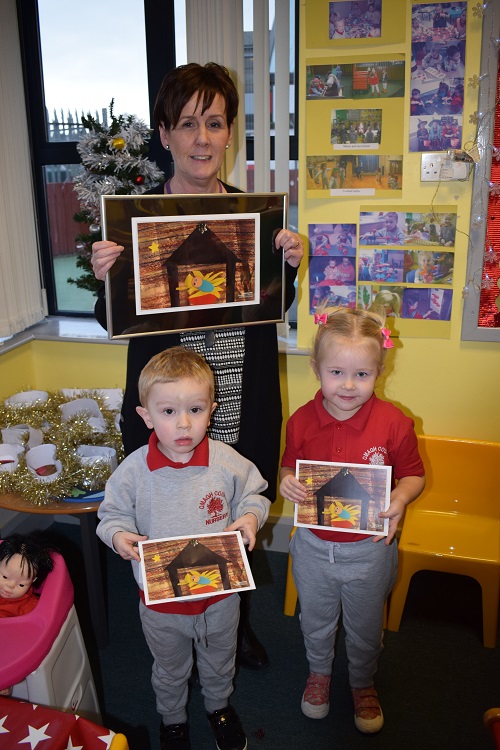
291,243
104,254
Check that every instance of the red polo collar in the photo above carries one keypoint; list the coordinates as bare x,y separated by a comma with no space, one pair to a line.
157,460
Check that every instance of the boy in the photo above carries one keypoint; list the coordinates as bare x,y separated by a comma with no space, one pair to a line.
164,489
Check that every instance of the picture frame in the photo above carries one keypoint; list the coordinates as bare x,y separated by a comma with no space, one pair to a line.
193,567
344,497
193,262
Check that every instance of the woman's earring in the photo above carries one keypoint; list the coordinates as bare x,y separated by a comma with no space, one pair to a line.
167,147
227,145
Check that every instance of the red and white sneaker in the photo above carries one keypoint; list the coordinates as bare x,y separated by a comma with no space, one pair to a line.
368,715
316,699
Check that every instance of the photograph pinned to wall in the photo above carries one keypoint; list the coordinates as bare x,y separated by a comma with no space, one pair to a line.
428,267
435,133
437,76
427,304
332,296
191,567
331,80
390,298
407,228
193,261
355,129
354,20
364,174
198,262
383,78
379,264
341,25
332,271
332,239
344,497
332,279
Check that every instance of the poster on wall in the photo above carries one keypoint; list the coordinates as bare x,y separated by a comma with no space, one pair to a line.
437,76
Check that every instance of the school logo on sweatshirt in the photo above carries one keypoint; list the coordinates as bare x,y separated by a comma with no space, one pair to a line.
214,503
376,455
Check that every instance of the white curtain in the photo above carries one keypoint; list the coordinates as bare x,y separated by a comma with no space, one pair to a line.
21,296
214,31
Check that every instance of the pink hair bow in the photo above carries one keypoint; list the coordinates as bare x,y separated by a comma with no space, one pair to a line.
320,319
388,344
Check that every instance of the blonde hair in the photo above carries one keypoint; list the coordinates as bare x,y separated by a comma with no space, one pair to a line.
172,365
352,327
386,297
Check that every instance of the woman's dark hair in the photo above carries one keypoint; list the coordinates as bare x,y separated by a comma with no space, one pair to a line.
180,84
35,555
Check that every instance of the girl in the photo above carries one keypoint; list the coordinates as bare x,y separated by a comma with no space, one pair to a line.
335,571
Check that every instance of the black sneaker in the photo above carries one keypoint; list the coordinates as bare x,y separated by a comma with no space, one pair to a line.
227,729
174,737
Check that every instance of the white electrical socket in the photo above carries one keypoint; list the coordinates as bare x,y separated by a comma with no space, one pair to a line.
438,166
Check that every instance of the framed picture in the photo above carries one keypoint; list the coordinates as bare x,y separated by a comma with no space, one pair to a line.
193,262
192,567
344,497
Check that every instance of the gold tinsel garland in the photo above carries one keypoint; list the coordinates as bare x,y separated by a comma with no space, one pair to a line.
76,477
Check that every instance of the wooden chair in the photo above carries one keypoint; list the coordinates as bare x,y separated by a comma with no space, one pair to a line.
454,526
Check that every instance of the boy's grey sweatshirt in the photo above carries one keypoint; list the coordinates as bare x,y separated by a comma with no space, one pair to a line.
170,502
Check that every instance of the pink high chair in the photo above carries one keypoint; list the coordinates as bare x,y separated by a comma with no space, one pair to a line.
43,654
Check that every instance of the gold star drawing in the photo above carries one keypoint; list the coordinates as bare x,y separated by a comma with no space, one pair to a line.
309,481
154,247
156,558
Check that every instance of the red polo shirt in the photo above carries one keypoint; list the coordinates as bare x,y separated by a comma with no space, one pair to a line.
379,433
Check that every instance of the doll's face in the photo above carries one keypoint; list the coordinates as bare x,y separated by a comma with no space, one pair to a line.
14,578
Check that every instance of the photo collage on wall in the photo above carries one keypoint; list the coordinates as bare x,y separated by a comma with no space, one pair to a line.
437,76
349,105
405,263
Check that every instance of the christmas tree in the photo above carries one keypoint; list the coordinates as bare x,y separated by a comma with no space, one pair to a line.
114,163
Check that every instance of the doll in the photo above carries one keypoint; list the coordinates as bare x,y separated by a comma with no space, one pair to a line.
24,561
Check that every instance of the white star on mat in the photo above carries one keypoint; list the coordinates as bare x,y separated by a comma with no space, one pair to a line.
73,747
36,735
107,738
2,728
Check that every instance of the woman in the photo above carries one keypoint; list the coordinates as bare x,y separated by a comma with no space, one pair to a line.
194,111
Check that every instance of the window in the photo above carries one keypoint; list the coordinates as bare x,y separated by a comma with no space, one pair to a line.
74,66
